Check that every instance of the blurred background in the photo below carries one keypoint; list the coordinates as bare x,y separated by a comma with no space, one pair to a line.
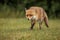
14,26
15,8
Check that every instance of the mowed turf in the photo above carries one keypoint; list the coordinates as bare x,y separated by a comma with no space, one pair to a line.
19,29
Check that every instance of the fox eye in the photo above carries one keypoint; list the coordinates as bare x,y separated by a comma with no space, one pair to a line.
30,15
26,15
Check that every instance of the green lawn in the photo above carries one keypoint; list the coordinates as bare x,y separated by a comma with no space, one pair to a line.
19,29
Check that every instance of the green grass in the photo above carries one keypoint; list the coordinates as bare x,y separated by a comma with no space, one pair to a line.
19,29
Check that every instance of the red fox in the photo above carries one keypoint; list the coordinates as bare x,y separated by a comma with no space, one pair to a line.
36,14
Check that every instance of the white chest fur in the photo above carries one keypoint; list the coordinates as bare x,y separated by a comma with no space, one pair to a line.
34,17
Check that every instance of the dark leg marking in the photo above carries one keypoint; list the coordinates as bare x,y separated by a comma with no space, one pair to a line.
32,24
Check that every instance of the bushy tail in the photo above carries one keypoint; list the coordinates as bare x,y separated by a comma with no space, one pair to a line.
46,21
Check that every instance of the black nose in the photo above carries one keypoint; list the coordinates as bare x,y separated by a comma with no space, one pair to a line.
28,19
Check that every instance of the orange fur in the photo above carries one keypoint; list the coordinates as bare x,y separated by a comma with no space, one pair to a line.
38,13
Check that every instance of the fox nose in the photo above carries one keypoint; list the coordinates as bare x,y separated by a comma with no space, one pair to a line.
28,19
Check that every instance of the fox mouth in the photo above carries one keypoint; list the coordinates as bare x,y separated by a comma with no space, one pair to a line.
32,18
28,18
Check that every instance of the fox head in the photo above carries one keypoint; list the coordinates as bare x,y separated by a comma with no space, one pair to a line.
30,14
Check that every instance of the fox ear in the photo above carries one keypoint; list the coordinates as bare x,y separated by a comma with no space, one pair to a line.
25,9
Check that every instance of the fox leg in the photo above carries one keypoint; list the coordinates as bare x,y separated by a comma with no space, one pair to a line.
32,24
40,24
